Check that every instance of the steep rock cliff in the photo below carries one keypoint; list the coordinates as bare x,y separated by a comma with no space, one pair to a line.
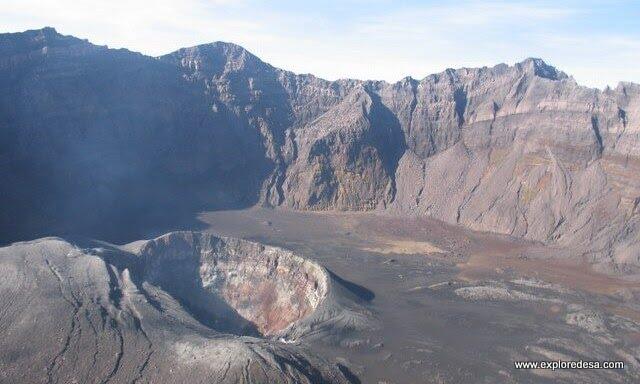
521,150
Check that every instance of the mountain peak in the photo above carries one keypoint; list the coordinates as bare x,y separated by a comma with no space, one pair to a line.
216,57
540,68
38,35
48,31
35,39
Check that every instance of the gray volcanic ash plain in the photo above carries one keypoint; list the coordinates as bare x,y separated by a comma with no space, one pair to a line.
456,306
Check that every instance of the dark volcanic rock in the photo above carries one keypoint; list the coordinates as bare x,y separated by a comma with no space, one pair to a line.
521,150
92,135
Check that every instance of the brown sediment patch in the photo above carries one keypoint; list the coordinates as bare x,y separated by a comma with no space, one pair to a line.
406,247
569,273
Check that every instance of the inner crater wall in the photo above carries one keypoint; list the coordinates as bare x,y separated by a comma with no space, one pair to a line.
235,285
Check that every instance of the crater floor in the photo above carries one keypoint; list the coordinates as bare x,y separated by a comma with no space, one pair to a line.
310,298
456,306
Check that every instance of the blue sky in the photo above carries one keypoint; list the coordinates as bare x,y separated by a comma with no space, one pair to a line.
597,42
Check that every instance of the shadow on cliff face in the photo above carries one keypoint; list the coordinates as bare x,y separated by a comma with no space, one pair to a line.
388,136
40,200
136,212
116,146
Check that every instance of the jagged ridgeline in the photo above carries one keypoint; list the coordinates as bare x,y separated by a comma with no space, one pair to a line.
91,135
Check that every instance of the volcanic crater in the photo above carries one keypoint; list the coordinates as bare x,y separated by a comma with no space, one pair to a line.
234,286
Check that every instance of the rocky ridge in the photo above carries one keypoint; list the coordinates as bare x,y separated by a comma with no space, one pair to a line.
521,150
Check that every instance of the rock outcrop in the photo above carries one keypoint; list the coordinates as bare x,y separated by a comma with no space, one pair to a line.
520,150
184,307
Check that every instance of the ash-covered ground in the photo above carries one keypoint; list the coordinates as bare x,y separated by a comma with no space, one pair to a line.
456,306
264,295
